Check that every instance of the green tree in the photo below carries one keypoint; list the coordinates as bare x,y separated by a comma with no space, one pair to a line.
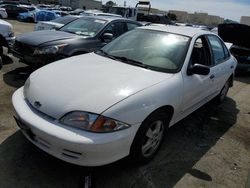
172,17
110,4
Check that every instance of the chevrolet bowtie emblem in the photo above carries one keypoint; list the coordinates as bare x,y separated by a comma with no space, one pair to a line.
37,104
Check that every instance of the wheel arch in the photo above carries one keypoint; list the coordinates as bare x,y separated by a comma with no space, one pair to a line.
3,41
231,80
167,109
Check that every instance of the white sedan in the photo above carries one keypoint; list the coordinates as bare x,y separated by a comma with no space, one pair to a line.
97,108
3,13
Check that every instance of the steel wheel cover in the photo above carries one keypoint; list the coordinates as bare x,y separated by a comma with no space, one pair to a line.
152,138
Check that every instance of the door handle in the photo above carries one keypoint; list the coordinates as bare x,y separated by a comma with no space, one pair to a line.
212,76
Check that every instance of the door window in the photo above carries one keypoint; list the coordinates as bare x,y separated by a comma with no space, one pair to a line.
116,29
217,49
200,53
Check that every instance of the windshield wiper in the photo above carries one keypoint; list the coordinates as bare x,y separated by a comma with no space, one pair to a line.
131,61
105,54
123,59
68,31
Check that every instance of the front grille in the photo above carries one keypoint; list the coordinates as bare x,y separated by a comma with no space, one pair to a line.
23,48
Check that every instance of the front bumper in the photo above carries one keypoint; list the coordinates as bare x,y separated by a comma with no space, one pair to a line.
37,60
69,144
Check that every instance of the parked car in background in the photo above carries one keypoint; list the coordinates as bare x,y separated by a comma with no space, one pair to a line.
46,15
61,13
14,10
28,16
77,12
81,36
3,13
97,108
56,23
238,34
214,30
43,6
6,37
98,13
154,18
63,8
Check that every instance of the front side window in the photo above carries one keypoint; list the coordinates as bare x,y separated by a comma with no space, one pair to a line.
85,27
155,50
217,49
116,29
200,52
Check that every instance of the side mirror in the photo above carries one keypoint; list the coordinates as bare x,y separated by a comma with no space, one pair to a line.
198,69
107,37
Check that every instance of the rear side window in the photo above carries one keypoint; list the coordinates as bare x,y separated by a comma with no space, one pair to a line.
217,49
226,51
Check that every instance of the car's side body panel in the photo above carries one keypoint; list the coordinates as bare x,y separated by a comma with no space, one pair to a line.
137,107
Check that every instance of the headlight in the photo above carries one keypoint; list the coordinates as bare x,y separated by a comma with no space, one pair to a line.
11,34
92,122
49,49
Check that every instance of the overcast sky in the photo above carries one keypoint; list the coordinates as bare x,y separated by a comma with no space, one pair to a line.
231,9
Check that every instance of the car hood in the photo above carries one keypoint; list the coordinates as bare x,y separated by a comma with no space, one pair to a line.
4,23
37,38
47,25
238,34
87,82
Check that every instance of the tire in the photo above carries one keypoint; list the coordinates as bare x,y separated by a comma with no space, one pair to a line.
30,20
223,93
149,138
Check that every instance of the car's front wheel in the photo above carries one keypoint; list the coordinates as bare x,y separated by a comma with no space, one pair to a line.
149,138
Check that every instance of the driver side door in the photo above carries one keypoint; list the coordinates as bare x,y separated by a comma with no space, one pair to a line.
196,88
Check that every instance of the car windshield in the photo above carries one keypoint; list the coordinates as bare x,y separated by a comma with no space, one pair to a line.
84,26
160,51
64,20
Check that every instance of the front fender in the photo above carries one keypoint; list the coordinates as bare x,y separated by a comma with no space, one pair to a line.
138,107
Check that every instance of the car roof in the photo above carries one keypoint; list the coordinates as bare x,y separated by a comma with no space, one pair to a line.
181,30
107,18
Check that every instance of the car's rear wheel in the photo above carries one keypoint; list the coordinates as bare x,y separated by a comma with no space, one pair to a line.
223,93
1,63
149,138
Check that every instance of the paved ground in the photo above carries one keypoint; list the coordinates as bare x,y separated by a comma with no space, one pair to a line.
210,148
